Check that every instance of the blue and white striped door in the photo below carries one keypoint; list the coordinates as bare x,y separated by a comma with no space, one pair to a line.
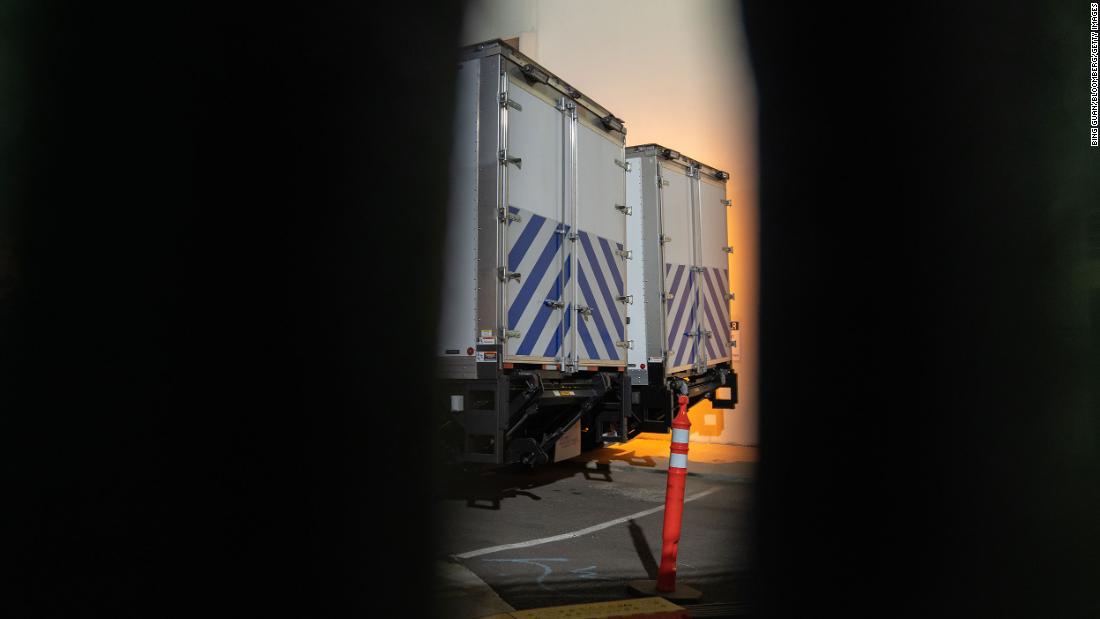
567,253
539,252
714,312
714,277
601,266
600,283
535,245
680,316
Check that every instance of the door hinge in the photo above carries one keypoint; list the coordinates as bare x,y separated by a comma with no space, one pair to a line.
505,333
627,298
623,164
665,238
554,304
727,249
612,123
662,182
507,216
629,344
626,210
585,312
692,171
729,297
697,269
506,102
669,296
727,202
504,275
625,253
503,157
533,74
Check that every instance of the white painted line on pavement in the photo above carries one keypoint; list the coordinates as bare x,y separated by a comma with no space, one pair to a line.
578,533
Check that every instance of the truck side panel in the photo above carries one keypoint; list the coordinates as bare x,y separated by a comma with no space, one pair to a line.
636,272
458,323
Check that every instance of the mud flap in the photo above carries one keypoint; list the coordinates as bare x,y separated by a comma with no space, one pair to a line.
725,396
569,445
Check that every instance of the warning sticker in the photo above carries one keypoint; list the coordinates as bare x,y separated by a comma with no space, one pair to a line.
486,356
486,340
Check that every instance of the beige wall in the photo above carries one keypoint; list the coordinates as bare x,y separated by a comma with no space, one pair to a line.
677,72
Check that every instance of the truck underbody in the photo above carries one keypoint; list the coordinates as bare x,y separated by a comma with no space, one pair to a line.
522,415
654,404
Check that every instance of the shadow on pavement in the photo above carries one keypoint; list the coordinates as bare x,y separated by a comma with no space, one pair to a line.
645,553
485,488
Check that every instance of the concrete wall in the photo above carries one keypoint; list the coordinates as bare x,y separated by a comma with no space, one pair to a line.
678,73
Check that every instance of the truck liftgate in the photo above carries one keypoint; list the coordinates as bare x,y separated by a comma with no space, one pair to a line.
655,405
535,416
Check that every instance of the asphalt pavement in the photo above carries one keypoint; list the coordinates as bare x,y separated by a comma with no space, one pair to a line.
579,530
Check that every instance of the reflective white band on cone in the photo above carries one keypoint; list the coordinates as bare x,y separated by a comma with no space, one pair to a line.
677,461
680,436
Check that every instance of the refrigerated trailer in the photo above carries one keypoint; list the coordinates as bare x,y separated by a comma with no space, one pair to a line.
534,332
679,281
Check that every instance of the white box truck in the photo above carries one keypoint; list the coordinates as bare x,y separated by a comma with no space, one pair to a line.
534,333
679,284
